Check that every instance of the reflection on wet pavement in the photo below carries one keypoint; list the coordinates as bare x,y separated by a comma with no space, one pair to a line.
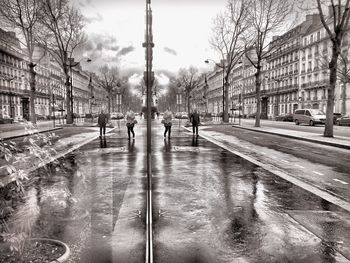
94,193
209,206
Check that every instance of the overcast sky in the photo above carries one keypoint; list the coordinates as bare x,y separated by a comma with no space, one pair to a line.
181,30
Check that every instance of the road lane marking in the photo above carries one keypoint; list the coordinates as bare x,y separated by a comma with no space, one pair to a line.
256,137
340,181
285,161
300,166
315,172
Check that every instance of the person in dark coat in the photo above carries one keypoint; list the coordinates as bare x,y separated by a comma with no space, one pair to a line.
195,121
102,122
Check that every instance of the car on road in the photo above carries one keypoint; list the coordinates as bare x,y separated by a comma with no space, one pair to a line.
309,116
284,117
343,121
336,116
117,115
181,115
252,115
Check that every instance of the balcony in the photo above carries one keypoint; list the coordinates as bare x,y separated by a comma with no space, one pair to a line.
309,56
302,71
303,58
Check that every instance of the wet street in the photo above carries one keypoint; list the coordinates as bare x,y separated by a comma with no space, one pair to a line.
209,205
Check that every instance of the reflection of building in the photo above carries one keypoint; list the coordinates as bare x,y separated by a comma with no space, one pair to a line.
12,93
50,94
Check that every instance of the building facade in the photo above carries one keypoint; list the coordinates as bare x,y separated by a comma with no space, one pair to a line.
294,75
50,94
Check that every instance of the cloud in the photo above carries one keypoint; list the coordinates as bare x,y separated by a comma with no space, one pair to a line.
170,51
97,18
98,45
125,50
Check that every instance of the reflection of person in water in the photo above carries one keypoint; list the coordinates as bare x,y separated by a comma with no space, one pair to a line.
131,145
194,140
103,142
167,145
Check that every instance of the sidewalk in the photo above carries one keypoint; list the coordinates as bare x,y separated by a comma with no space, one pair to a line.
337,141
288,131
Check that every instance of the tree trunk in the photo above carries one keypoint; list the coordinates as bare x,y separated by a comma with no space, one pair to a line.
109,102
227,101
343,102
257,89
68,100
328,129
32,85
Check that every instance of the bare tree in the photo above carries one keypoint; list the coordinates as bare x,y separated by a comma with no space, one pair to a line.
335,24
227,39
266,17
61,34
188,79
109,81
24,16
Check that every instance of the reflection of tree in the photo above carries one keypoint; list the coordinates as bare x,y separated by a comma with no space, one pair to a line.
188,79
240,209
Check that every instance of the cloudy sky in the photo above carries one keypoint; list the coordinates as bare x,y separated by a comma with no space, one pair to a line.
181,30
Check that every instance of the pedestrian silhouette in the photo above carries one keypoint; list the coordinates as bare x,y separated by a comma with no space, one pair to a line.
195,121
167,121
102,122
130,123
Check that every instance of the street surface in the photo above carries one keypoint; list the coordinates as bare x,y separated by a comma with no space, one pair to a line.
209,205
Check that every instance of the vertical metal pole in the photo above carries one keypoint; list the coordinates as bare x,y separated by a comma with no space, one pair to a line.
223,92
149,83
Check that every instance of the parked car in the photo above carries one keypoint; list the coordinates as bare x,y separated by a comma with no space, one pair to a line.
181,115
6,119
40,117
336,116
117,115
284,117
344,120
309,116
252,115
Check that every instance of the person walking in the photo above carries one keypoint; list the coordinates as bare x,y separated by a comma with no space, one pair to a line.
102,122
195,121
130,123
167,121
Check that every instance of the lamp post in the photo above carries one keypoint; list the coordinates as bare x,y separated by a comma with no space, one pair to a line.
223,84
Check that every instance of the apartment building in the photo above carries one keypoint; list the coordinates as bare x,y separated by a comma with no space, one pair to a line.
50,94
214,91
315,51
295,74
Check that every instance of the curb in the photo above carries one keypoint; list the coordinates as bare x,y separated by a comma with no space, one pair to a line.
23,135
338,145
